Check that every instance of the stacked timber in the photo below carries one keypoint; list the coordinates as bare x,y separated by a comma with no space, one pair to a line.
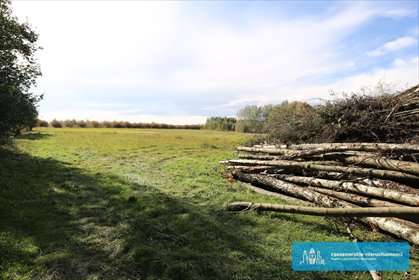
374,183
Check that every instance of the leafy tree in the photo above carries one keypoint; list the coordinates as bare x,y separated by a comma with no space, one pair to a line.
253,118
294,122
220,123
18,72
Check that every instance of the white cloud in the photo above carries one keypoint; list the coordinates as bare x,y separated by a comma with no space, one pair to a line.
141,49
402,74
399,43
400,13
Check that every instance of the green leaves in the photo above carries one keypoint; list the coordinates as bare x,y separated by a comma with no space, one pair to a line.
18,73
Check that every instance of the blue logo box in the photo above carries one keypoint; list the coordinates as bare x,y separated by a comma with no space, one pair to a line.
350,256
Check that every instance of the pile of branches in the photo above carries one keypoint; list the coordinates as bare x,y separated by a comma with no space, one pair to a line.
369,116
406,112
373,183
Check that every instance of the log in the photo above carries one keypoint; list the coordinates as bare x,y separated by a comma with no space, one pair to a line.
324,211
285,188
259,168
270,150
305,150
386,184
393,195
261,157
287,153
357,199
356,146
363,201
268,157
279,195
377,173
377,162
406,230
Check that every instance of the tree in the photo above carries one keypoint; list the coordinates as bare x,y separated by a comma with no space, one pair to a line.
18,72
292,122
220,123
253,118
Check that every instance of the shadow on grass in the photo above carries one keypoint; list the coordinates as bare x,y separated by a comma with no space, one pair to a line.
58,222
61,222
33,136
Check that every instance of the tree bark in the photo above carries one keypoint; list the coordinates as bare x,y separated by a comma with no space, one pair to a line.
386,184
357,199
324,211
279,195
357,146
377,173
378,162
259,168
286,153
406,230
269,157
393,195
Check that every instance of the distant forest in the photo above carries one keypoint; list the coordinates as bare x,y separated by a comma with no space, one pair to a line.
114,124
376,115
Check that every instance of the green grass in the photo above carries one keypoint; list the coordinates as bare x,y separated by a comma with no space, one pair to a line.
144,204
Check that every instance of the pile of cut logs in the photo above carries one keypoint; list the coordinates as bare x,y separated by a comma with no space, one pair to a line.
374,183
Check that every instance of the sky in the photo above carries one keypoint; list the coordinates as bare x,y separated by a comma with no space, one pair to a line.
180,62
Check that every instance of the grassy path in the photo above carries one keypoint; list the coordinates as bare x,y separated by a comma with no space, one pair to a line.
143,204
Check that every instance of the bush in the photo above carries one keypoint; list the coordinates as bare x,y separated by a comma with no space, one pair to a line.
294,122
42,123
56,124
82,124
252,119
220,123
70,123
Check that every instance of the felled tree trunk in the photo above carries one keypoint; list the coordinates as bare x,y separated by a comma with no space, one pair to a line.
324,211
268,157
357,146
403,229
259,168
286,153
357,199
393,195
378,162
280,196
386,184
377,173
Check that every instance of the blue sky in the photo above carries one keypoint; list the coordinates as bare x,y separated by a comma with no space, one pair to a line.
180,62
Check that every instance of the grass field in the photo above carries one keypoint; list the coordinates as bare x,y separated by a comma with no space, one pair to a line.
144,204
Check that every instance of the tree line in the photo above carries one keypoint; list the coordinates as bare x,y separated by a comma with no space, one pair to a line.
374,114
114,124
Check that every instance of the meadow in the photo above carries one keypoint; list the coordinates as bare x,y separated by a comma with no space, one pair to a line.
103,203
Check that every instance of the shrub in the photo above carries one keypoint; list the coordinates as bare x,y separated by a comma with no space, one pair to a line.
221,123
253,119
294,122
42,123
55,123
70,123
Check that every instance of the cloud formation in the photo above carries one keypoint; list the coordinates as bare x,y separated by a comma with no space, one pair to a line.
394,45
136,61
